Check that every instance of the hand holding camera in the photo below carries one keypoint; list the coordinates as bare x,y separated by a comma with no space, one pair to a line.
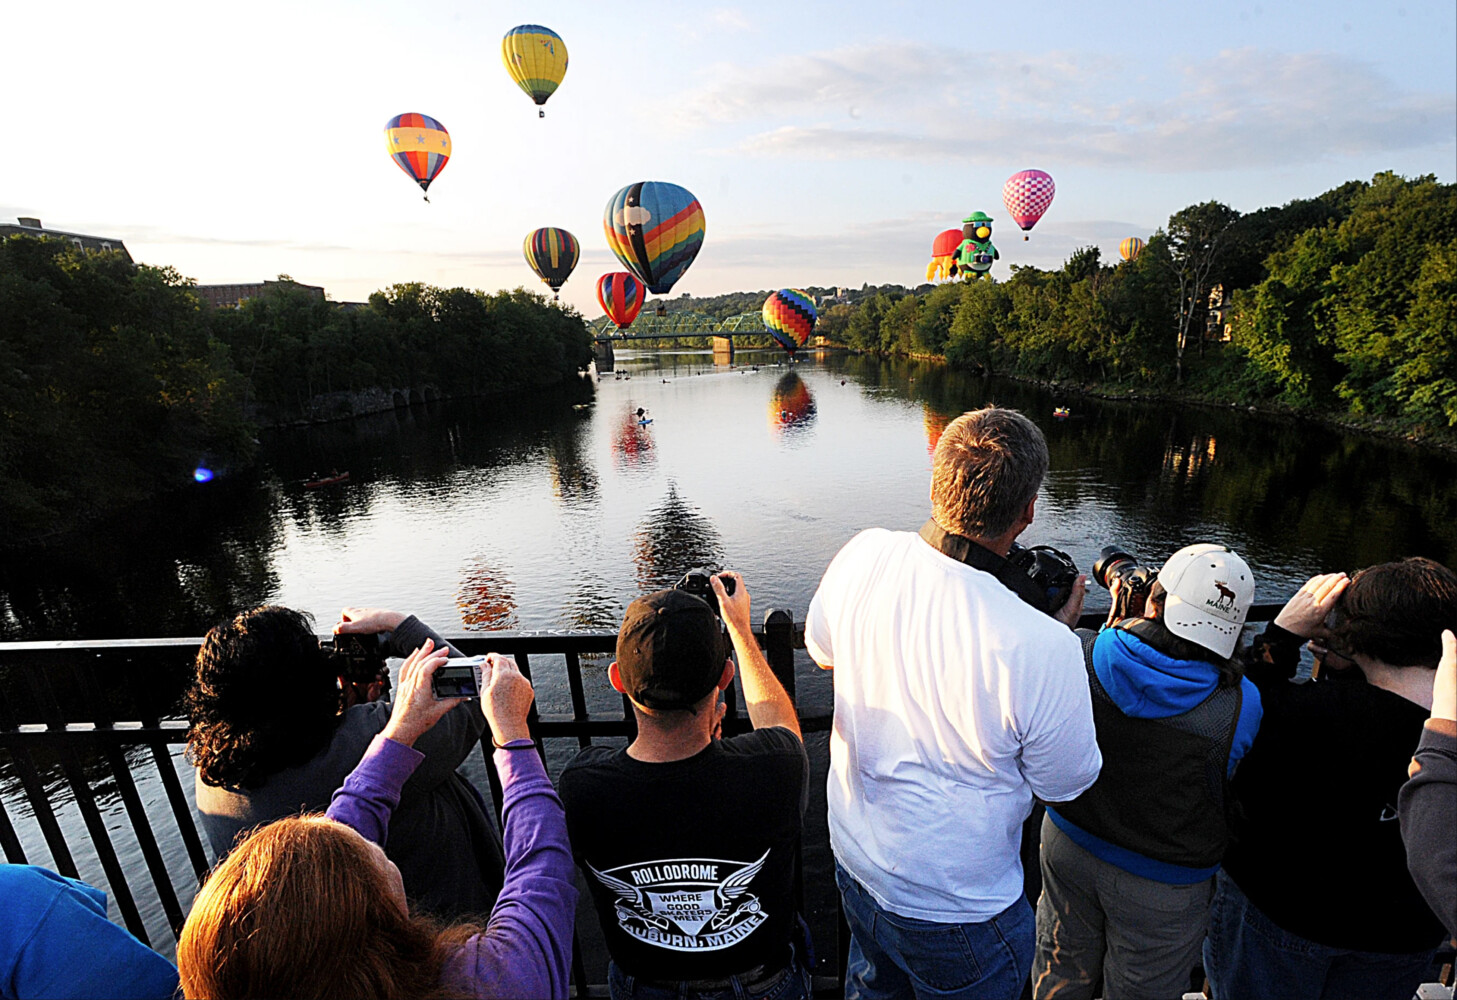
416,708
732,600
507,700
1126,580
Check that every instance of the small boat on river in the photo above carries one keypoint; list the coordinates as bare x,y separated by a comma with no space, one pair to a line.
329,480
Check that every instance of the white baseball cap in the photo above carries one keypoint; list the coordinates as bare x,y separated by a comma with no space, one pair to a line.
1210,590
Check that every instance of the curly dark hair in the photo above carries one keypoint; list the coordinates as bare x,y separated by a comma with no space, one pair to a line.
1395,612
264,697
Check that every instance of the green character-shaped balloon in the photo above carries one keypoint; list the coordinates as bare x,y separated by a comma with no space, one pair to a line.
975,255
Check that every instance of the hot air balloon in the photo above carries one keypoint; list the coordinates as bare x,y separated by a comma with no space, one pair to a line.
621,297
656,229
536,58
789,316
552,253
1131,248
420,145
1027,194
943,249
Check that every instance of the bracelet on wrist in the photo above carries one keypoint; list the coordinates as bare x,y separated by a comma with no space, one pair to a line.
520,743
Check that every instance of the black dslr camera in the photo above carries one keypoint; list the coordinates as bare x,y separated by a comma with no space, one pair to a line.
1134,580
696,582
361,661
1052,570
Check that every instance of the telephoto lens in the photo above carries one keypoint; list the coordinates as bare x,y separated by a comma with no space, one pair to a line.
1116,564
1112,562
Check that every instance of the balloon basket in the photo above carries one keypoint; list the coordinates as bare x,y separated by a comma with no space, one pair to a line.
541,112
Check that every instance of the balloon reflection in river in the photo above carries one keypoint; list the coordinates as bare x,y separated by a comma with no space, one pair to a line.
674,538
632,442
936,422
792,406
485,599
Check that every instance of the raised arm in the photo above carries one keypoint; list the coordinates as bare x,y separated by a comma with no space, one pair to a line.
768,702
526,948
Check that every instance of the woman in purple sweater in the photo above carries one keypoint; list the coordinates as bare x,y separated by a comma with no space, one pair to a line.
311,907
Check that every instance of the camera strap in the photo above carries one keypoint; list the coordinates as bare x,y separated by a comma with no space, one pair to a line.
978,556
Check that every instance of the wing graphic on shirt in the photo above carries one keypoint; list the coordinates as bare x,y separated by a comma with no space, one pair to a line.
732,888
630,901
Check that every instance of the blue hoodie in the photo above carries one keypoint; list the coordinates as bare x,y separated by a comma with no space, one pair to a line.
55,941
1147,684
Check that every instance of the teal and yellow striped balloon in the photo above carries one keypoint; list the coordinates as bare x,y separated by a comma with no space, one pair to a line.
536,58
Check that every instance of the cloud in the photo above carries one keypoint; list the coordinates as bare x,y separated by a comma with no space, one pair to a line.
730,18
1243,108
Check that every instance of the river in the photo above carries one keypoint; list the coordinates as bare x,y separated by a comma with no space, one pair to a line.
555,510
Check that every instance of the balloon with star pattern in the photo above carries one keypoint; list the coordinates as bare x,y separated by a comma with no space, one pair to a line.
420,145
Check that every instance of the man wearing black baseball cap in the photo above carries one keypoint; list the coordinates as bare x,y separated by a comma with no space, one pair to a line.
688,842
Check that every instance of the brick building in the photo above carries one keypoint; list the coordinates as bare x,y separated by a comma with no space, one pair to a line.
91,244
232,296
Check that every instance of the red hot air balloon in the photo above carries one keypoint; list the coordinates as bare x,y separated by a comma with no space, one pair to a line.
621,296
1027,195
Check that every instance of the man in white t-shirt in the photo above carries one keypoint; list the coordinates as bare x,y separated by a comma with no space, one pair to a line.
957,700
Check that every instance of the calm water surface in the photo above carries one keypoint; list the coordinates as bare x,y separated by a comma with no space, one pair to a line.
555,510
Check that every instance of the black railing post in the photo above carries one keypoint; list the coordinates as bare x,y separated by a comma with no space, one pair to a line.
779,647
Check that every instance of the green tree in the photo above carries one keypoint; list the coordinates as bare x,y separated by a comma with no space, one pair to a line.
1197,237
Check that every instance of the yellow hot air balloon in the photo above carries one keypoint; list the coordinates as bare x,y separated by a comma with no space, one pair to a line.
536,58
1131,248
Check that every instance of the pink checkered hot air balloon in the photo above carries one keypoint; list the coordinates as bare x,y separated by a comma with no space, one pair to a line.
1027,194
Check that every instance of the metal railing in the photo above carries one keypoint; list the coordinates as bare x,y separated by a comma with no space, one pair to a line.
87,715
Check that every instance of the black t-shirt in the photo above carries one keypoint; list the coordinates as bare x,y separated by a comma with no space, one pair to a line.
1316,842
691,863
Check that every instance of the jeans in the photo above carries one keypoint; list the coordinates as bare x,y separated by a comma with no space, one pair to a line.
895,956
1094,919
795,986
1249,957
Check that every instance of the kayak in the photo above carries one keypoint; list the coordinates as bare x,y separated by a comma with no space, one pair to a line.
314,484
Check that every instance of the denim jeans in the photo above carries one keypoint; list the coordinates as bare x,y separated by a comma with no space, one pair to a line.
794,986
895,956
1249,957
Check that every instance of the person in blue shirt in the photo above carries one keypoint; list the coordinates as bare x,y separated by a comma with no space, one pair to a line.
55,941
1128,866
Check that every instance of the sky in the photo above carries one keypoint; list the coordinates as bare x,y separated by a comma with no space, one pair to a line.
828,143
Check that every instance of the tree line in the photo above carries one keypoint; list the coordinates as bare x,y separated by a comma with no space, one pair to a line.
116,381
1345,303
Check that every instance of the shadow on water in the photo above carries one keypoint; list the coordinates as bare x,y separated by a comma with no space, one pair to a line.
675,535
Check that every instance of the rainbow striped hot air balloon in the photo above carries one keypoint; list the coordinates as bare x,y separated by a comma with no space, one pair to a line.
420,145
1027,195
789,316
621,297
1130,248
552,254
536,58
656,229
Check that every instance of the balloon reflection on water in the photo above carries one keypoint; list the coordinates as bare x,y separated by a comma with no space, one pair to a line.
792,405
632,442
485,599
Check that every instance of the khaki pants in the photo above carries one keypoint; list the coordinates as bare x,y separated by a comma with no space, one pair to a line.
1095,919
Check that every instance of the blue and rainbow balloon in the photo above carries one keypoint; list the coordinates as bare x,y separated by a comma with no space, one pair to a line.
655,229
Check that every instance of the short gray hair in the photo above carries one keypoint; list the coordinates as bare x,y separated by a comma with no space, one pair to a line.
987,467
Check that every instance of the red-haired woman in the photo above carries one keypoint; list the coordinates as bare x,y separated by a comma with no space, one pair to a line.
311,907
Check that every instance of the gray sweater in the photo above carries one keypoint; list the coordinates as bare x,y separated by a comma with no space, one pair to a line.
448,850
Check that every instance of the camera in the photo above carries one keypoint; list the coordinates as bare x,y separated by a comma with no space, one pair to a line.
1115,564
458,677
359,659
696,582
1052,570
